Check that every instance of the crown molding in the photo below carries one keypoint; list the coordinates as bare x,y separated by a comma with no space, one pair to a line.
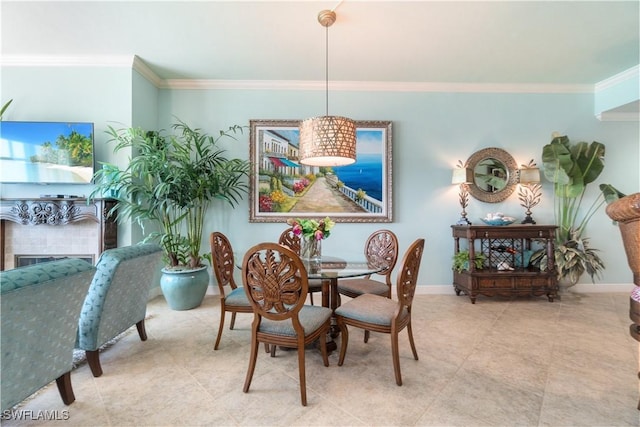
360,86
67,61
622,77
202,84
135,62
618,117
141,67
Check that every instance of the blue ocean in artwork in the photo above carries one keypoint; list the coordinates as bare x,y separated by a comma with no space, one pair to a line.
365,174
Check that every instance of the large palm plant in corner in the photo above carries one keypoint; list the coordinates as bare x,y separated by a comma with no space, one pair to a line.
169,184
571,167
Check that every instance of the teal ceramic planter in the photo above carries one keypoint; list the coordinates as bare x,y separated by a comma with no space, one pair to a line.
185,289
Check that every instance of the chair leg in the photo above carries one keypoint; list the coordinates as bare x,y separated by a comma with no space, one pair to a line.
233,320
344,338
93,358
64,387
142,331
323,347
311,297
220,328
303,382
270,349
252,364
396,356
413,345
366,336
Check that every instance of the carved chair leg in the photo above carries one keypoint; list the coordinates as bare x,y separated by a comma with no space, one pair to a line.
252,364
413,345
93,358
215,347
233,320
301,369
64,387
395,353
344,337
142,332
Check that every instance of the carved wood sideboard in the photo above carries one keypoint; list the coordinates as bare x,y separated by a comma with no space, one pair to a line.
505,251
59,212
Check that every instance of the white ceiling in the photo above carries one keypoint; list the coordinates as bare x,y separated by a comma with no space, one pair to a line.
512,42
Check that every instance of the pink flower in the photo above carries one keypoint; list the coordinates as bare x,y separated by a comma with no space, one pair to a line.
297,229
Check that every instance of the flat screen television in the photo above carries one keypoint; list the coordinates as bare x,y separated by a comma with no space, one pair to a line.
46,152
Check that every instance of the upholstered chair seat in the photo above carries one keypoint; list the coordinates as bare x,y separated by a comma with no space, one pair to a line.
363,286
371,309
311,318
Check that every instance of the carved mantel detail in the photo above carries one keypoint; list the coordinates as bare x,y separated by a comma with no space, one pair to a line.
58,212
34,212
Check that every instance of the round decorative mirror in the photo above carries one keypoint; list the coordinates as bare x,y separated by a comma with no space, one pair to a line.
494,175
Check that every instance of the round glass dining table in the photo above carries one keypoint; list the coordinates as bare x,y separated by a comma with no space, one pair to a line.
329,271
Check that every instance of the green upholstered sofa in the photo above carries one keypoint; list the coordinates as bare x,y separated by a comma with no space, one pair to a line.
40,310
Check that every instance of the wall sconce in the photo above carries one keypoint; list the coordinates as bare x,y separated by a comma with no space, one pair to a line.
327,140
529,191
462,176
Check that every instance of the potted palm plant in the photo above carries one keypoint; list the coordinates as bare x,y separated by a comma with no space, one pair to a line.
571,167
168,186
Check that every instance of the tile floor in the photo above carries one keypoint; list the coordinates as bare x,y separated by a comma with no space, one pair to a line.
522,362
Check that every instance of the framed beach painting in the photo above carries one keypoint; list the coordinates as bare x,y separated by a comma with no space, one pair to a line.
281,187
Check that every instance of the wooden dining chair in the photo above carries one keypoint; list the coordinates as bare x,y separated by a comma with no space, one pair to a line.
291,240
276,284
381,248
380,314
234,301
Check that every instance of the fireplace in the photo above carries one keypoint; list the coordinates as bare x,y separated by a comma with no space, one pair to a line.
25,260
50,228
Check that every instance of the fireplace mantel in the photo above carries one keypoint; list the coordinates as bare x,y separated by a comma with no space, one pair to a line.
59,212
50,211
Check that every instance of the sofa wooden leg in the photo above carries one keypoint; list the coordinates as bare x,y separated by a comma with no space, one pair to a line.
64,387
93,358
141,330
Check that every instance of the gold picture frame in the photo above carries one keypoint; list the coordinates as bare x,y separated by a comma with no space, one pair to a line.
281,188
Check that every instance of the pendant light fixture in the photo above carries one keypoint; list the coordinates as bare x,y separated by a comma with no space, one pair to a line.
327,140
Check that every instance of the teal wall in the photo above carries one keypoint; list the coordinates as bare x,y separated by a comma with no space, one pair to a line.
431,132
144,107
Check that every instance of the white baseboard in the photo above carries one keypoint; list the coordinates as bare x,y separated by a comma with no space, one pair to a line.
585,288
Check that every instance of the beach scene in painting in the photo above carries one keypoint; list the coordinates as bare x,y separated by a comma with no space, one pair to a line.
285,186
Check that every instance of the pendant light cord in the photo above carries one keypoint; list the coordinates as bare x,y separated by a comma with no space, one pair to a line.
326,70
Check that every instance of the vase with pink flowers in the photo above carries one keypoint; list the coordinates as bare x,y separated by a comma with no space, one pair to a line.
311,232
